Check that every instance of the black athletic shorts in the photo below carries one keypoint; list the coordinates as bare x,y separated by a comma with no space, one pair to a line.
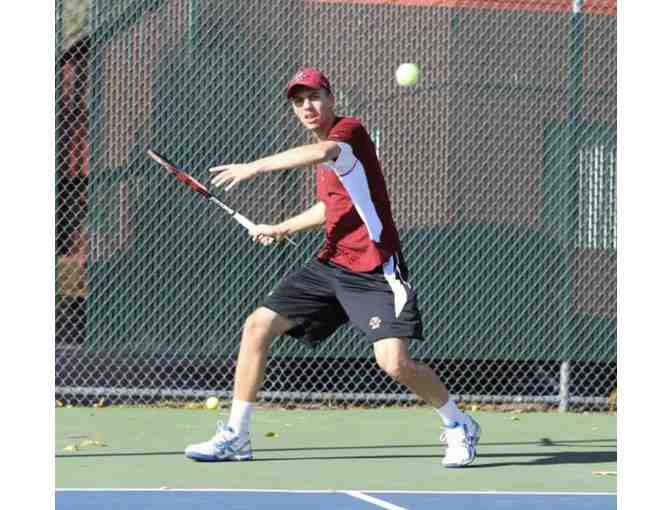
322,296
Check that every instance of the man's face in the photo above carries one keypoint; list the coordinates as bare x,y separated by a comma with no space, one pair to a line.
314,108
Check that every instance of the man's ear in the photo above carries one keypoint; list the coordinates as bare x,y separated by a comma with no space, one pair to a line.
332,100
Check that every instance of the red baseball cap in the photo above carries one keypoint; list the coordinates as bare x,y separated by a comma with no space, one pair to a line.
308,77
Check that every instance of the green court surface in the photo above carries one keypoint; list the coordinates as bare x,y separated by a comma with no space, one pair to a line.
375,449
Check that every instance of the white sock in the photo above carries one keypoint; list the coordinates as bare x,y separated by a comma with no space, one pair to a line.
241,413
450,414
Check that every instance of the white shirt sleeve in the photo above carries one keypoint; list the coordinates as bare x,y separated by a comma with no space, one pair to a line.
346,160
351,174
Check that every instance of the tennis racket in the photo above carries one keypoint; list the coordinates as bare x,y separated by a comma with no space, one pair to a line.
199,188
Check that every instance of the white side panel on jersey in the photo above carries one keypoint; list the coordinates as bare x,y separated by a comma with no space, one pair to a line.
398,289
351,174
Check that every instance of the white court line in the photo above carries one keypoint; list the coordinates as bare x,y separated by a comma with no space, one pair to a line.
374,501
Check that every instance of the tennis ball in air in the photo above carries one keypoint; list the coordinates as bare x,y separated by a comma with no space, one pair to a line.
212,403
407,74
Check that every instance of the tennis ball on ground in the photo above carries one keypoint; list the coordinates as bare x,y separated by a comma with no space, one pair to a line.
212,403
407,74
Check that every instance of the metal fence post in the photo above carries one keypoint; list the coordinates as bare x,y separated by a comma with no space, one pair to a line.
574,95
564,387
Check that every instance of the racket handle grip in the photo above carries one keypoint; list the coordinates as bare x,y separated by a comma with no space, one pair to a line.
240,218
248,225
243,221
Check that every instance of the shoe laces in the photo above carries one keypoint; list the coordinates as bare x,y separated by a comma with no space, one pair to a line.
223,433
448,434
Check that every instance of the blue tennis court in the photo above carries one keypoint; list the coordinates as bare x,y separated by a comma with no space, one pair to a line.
327,500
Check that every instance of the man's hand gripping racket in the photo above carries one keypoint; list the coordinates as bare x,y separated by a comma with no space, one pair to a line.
199,188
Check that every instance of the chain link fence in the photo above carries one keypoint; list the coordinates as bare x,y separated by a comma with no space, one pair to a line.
500,163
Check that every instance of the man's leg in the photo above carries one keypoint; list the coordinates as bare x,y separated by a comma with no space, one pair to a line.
260,328
461,432
393,357
232,442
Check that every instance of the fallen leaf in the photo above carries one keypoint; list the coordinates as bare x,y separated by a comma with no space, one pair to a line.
91,443
272,434
604,473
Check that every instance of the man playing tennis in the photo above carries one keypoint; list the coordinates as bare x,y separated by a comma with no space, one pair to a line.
358,276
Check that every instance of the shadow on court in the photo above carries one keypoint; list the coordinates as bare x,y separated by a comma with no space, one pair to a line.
540,458
545,459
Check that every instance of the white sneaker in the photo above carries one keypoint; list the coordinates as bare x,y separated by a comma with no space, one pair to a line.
460,441
225,445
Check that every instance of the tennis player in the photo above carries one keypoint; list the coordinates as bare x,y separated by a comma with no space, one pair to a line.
358,276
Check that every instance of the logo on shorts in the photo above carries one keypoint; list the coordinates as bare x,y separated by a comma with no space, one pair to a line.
375,322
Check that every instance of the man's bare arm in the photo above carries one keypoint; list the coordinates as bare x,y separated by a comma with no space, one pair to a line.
308,220
306,155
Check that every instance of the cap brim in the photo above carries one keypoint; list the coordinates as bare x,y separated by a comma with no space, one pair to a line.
292,88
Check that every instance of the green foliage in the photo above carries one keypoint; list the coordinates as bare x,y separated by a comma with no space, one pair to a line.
75,19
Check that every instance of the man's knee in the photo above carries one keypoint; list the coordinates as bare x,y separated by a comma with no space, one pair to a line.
257,323
264,324
400,370
393,357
